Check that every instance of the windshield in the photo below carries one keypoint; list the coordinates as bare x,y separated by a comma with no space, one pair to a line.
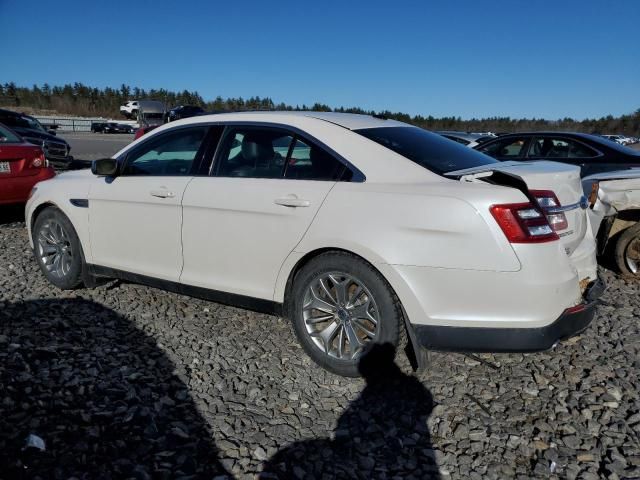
7,136
427,149
34,124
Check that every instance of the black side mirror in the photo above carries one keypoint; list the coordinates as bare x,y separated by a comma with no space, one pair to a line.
105,167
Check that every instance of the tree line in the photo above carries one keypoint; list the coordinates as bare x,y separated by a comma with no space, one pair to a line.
82,100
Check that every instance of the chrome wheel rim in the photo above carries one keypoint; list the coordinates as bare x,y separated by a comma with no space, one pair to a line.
340,315
632,255
54,249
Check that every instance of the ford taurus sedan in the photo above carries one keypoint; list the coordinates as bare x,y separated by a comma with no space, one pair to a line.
356,228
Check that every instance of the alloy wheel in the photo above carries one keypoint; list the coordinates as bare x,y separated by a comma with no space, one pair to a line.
632,255
54,248
340,315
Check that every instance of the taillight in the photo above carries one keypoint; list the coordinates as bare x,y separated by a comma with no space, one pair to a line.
523,223
38,161
548,200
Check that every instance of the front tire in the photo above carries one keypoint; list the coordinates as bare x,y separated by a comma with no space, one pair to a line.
57,249
627,253
340,307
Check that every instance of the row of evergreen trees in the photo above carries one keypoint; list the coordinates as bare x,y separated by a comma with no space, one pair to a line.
82,100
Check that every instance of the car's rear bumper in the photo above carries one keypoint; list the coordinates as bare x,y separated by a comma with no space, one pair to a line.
491,339
16,189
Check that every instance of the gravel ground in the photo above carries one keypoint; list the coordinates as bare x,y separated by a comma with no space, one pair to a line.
126,381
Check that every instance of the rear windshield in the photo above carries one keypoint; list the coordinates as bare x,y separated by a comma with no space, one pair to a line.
427,149
7,136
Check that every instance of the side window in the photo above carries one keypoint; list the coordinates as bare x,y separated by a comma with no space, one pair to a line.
559,148
253,153
309,162
507,148
171,154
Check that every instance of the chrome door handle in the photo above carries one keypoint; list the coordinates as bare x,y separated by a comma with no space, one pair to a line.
292,201
162,193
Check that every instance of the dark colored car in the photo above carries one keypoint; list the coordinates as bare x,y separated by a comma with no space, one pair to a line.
112,127
183,111
592,153
22,165
98,127
55,148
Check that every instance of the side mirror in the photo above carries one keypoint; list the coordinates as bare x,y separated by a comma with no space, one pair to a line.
105,167
51,132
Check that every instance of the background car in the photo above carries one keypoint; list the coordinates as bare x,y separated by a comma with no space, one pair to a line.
354,227
55,148
22,165
98,127
112,127
592,153
129,109
183,111
144,130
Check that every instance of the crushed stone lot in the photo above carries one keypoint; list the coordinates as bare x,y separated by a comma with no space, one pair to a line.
126,381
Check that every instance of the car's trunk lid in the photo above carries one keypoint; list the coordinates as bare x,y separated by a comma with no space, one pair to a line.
534,179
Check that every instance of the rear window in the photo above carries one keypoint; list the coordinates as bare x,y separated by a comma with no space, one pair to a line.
427,149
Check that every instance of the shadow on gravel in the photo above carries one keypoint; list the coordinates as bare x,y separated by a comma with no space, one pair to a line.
11,214
382,434
104,398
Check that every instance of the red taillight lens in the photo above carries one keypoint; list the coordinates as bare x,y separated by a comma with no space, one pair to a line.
523,223
547,200
38,161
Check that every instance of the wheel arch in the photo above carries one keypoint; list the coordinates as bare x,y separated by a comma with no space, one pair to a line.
416,354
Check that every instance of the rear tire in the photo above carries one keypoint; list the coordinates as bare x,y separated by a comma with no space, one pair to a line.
627,251
57,249
357,310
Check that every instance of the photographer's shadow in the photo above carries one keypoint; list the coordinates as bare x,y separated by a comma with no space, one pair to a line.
383,433
104,398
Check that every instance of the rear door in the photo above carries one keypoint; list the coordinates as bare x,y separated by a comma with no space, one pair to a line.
241,223
566,150
135,218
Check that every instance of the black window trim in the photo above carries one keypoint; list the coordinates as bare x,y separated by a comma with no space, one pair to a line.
210,154
356,175
562,137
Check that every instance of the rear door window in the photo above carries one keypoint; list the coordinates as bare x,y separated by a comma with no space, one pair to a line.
309,162
253,153
507,149
555,147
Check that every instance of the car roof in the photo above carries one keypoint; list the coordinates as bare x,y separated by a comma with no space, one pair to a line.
561,133
351,121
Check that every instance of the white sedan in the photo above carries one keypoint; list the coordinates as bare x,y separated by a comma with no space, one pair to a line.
354,227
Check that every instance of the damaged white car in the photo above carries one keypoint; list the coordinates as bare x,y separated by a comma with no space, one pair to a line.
354,227
615,216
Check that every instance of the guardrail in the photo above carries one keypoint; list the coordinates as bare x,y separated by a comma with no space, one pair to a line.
77,124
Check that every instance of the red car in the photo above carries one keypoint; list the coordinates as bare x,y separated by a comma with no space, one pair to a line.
22,165
143,130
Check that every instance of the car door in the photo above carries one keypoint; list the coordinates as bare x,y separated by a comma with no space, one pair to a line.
135,218
241,223
572,151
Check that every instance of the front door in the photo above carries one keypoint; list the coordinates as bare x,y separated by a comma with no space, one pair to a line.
135,218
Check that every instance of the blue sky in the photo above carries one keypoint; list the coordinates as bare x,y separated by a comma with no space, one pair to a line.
534,58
